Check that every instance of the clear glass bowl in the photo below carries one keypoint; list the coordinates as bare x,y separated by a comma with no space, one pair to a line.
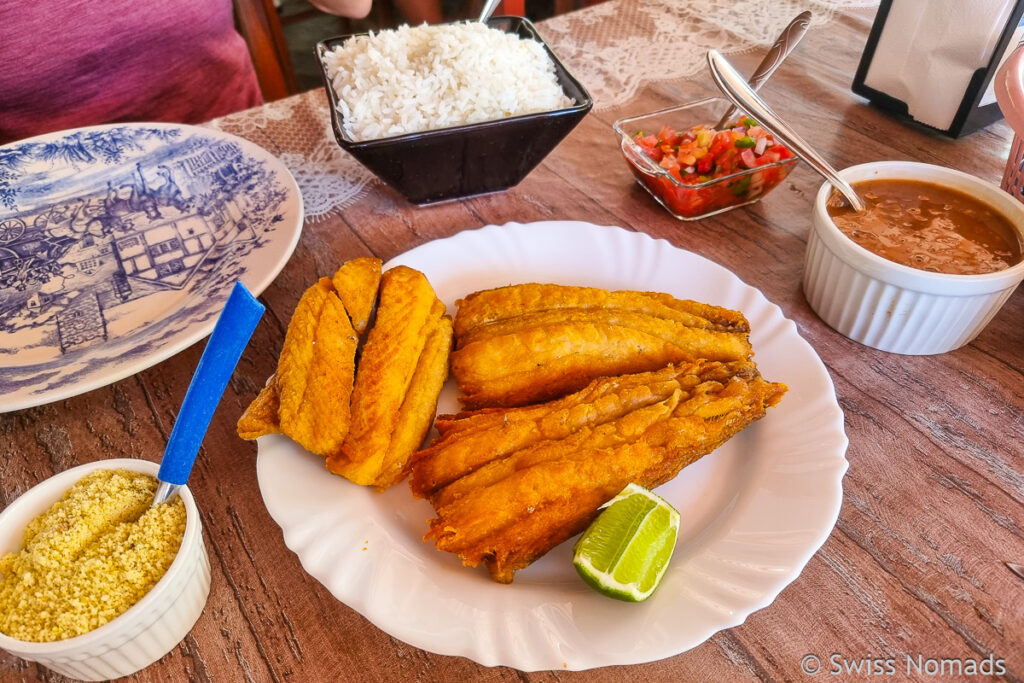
685,201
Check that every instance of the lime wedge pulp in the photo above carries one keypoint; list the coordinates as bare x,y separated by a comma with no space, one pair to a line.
626,550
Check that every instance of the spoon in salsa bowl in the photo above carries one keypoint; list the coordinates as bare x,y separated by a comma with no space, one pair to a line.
784,44
743,96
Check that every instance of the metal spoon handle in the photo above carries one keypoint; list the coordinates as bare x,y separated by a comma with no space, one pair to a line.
787,40
488,10
165,491
737,90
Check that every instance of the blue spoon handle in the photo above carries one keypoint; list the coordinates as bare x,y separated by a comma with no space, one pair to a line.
230,336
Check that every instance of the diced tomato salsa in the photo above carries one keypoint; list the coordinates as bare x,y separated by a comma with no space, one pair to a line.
693,159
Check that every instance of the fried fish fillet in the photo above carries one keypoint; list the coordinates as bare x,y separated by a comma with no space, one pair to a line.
539,363
529,343
315,371
625,428
669,329
506,505
494,305
260,418
420,404
307,399
407,313
357,282
366,423
384,468
470,440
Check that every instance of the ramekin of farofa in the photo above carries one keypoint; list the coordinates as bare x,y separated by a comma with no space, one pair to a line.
96,585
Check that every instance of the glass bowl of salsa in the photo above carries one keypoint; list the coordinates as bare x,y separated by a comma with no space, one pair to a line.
926,266
696,170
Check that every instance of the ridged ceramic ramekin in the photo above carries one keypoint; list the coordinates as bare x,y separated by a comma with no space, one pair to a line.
146,631
897,308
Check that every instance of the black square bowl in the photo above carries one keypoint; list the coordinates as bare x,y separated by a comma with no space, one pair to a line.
449,163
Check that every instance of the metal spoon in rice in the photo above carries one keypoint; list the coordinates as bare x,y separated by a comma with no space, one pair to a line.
488,10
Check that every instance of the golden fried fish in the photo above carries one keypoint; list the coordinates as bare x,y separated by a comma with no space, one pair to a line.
315,371
528,343
540,363
260,417
357,282
511,500
384,468
420,404
407,311
366,422
469,440
493,305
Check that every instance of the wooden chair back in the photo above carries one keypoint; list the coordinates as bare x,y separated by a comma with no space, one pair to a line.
259,24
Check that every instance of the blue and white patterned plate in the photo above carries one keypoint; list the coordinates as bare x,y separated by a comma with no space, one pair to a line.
119,245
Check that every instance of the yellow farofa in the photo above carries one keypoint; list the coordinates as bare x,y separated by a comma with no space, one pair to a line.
95,553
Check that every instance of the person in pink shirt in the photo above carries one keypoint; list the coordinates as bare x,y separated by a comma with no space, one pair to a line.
71,63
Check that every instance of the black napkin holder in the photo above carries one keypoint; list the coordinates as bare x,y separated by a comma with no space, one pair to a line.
977,107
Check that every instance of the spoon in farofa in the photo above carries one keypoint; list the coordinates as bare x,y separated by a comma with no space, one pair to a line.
230,336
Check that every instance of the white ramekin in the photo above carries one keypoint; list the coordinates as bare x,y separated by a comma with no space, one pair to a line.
897,308
146,631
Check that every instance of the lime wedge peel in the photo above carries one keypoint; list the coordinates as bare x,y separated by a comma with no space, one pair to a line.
625,552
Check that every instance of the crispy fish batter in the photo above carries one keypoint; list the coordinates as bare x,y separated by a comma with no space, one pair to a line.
356,283
493,305
384,468
470,440
366,423
539,363
316,366
420,404
523,495
260,417
668,329
528,343
407,312
316,370
624,429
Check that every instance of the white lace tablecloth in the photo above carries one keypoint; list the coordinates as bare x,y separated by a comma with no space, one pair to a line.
298,130
613,48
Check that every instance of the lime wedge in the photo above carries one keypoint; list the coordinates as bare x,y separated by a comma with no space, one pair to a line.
626,550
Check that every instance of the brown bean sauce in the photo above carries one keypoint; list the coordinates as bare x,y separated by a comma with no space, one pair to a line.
929,227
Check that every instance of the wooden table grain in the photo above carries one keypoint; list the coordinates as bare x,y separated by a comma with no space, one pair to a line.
933,500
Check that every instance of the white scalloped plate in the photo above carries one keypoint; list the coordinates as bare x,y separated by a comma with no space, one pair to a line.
753,512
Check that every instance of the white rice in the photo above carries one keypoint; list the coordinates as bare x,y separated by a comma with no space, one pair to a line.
407,80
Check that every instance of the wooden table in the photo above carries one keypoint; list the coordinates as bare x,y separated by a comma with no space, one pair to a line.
933,500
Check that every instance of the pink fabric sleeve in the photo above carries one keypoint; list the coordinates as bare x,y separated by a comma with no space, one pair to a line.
71,63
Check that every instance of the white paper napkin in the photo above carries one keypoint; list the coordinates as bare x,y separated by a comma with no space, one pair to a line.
929,50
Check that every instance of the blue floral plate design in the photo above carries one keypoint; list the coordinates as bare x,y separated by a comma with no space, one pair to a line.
119,245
